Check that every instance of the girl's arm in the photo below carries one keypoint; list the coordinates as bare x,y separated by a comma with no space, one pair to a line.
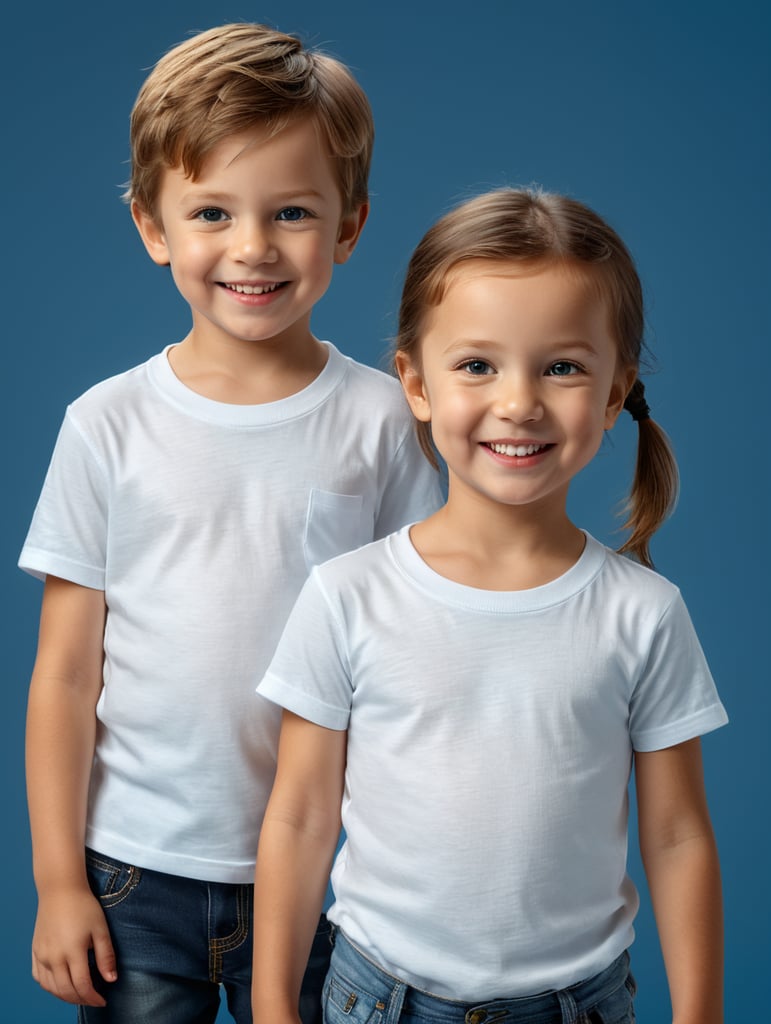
297,843
681,863
61,728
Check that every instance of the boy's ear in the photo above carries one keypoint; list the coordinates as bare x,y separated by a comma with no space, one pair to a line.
622,385
151,234
350,228
414,388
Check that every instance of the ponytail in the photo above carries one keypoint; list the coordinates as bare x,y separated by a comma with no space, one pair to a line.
655,485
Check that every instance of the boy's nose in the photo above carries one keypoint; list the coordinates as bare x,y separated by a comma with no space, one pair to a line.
252,244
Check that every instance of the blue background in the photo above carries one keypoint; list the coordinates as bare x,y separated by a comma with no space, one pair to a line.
657,114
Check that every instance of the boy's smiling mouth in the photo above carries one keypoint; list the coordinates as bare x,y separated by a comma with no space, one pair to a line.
254,289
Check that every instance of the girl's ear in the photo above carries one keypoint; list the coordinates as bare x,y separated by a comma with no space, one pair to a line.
414,388
151,234
622,385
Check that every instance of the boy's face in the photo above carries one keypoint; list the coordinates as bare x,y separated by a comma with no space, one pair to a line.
252,242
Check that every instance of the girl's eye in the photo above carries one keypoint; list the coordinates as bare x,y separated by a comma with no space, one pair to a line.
564,369
476,367
211,215
292,213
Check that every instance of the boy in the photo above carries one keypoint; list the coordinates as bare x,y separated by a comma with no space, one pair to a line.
185,503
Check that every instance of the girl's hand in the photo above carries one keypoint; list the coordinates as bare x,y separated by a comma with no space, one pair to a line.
70,922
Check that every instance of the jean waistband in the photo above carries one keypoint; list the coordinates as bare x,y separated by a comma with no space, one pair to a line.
395,995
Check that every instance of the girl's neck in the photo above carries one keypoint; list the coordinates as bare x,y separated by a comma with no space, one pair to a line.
499,547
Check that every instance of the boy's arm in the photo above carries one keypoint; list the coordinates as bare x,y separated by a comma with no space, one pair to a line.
681,864
61,728
297,844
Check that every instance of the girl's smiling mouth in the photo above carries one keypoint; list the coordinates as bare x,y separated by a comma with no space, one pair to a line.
519,450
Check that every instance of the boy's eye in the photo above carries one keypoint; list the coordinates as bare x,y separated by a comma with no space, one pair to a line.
476,367
563,368
211,215
292,213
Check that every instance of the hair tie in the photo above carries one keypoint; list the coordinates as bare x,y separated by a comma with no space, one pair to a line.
635,403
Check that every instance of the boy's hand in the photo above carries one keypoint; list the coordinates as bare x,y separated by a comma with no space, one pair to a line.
70,922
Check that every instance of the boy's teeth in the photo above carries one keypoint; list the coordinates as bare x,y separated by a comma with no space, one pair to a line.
252,289
516,449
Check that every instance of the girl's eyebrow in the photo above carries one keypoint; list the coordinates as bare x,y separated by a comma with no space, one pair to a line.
578,343
568,343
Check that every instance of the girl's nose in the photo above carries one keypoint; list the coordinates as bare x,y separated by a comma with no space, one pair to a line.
518,400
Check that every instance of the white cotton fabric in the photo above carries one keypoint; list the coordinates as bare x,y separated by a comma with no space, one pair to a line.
200,521
490,740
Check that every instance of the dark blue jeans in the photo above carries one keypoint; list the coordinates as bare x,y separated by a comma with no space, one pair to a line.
177,942
357,991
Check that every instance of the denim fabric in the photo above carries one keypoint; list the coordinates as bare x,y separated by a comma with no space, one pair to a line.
177,940
357,991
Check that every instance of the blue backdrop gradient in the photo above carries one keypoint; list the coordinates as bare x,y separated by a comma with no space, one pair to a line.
657,114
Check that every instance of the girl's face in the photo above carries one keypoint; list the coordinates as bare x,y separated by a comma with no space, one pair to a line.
518,377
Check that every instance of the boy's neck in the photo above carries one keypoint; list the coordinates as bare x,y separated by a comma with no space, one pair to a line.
499,548
240,372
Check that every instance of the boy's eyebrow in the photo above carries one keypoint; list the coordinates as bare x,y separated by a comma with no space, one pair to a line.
202,192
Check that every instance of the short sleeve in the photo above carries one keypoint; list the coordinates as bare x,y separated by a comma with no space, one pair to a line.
675,698
310,673
68,534
412,490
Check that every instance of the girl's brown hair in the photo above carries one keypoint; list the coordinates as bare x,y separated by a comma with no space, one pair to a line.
539,227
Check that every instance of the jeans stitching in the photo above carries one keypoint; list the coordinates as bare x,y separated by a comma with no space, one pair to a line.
227,943
108,898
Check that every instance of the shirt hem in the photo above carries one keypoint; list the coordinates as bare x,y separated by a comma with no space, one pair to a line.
181,865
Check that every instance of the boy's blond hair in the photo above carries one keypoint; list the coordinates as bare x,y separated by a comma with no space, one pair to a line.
232,78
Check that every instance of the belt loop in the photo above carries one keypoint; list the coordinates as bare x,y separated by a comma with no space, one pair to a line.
395,1003
568,1007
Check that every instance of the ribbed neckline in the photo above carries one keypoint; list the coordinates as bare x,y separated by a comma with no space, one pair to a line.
501,602
266,414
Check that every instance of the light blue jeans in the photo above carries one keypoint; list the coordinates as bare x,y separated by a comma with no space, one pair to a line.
177,941
357,991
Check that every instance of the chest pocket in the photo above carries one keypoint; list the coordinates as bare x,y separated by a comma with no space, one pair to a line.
335,523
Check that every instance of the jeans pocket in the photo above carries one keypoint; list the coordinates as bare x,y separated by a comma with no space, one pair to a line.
334,524
617,1008
111,880
345,1003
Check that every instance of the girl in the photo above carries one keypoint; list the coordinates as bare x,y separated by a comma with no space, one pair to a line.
475,689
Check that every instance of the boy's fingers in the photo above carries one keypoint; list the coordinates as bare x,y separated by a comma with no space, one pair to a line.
104,954
81,986
71,984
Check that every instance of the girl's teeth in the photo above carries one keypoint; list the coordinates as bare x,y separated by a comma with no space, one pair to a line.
516,449
256,289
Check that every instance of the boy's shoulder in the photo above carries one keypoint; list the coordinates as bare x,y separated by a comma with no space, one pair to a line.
355,394
363,398
363,381
117,389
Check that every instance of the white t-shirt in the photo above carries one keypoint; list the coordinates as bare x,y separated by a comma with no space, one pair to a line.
200,521
490,739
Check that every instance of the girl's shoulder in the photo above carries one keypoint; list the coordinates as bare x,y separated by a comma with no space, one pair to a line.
624,567
351,567
625,586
